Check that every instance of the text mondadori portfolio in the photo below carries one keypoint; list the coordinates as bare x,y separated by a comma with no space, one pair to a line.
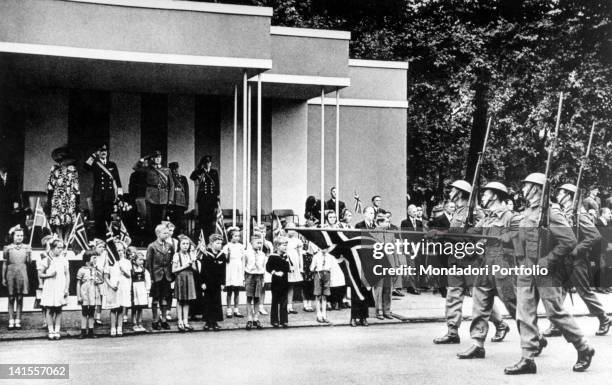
457,270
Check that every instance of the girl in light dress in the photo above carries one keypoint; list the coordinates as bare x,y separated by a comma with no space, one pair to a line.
15,275
336,277
87,293
183,266
54,271
119,285
141,285
295,248
234,271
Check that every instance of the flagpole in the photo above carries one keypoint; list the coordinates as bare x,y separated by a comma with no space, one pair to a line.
322,209
245,216
337,208
259,148
234,180
72,231
249,143
34,223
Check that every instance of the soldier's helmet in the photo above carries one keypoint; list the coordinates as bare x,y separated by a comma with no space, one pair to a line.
496,187
462,185
569,187
535,178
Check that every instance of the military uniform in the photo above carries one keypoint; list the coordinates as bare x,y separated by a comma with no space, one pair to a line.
547,288
588,237
106,188
497,252
207,198
159,185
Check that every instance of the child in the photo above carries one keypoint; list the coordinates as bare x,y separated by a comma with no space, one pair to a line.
101,266
141,285
54,271
183,263
15,274
119,281
295,248
321,264
87,293
255,266
267,248
213,279
234,271
308,286
278,267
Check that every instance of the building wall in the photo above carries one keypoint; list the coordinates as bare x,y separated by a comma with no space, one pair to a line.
181,135
372,155
124,133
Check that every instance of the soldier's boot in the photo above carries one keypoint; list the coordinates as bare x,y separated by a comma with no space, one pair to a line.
501,329
524,366
473,352
448,338
584,359
604,327
542,344
552,331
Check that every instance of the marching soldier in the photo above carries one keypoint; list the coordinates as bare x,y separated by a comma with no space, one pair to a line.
459,284
535,287
498,223
106,188
208,194
159,185
588,237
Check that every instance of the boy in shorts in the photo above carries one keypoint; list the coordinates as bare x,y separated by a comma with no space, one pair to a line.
255,267
320,267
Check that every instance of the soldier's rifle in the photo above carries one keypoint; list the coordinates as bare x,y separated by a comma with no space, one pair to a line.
476,180
577,197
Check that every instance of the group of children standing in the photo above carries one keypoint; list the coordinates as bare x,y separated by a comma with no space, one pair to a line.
199,274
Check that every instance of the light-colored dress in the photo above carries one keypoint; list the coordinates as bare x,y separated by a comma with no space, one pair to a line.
90,293
294,247
16,257
336,276
122,297
234,271
54,287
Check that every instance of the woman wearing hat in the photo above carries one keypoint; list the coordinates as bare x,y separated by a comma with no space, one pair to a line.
63,194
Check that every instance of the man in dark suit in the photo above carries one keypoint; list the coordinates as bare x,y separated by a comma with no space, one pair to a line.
603,267
106,188
8,201
368,219
412,223
207,198
331,203
159,185
442,221
159,264
179,198
376,202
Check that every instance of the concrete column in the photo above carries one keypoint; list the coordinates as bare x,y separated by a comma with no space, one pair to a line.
181,136
124,133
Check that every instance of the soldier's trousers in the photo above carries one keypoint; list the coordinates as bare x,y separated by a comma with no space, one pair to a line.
454,303
530,290
483,297
580,280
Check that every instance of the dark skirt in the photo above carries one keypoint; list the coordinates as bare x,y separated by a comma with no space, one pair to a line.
359,308
212,307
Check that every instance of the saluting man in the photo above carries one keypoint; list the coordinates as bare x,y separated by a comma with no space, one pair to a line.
159,185
588,237
106,188
207,196
459,284
531,288
498,252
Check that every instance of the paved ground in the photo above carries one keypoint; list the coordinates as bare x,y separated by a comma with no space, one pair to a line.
380,354
410,308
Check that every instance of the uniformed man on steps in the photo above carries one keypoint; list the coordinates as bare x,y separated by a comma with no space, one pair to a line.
588,237
106,188
499,223
459,284
533,287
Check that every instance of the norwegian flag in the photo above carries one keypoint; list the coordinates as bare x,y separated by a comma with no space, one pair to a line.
277,227
356,248
220,226
202,239
112,254
78,236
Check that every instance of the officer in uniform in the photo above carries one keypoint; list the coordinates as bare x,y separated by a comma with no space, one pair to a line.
498,252
106,188
588,237
159,185
545,287
459,284
207,196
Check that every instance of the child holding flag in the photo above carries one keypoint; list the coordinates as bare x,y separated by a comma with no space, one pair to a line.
54,271
87,293
234,271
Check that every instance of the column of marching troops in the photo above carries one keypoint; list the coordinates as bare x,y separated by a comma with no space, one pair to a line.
514,239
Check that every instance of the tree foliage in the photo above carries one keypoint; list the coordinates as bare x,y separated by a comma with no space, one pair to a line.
470,59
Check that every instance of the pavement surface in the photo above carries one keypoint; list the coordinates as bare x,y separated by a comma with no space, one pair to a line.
426,307
400,353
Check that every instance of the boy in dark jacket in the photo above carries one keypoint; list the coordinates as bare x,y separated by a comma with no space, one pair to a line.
213,280
278,267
